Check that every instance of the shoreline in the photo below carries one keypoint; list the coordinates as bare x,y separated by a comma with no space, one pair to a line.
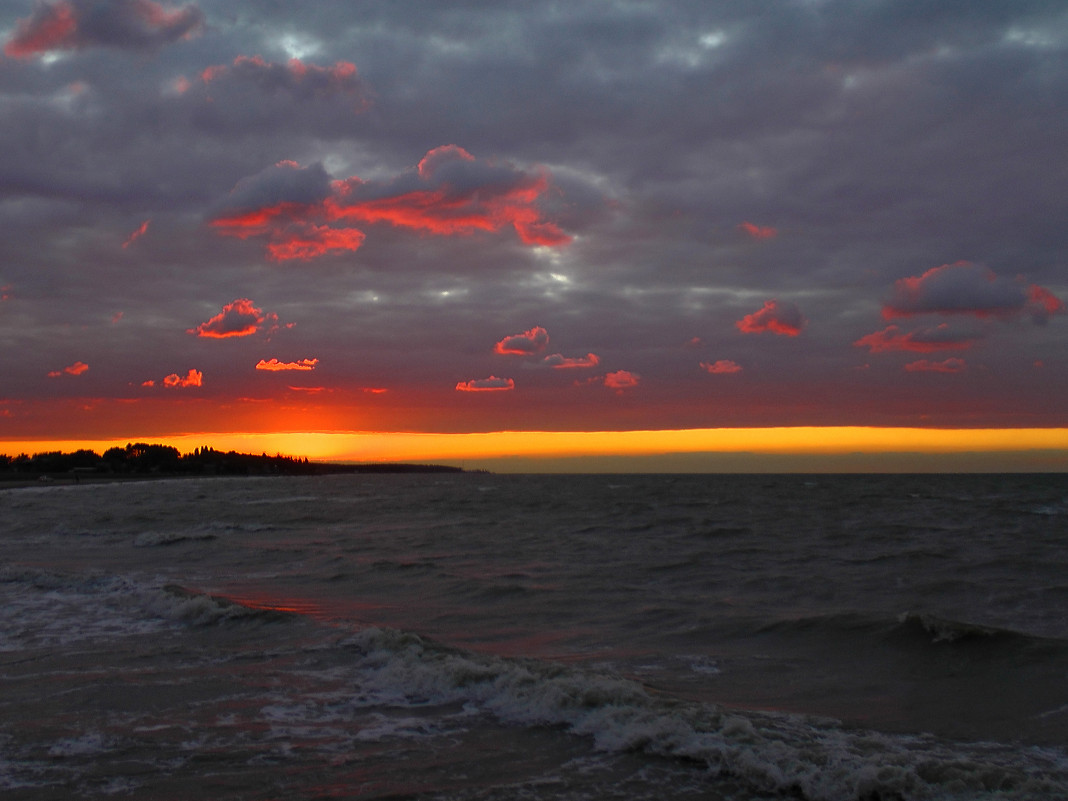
68,479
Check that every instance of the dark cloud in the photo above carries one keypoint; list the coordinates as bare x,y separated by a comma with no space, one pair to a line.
79,24
775,316
491,384
927,366
924,340
721,366
621,379
561,362
531,341
302,213
239,318
970,289
408,180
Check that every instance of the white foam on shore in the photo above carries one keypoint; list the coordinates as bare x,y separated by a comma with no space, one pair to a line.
817,760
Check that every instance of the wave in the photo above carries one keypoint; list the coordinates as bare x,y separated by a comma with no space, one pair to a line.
52,609
150,539
911,630
185,605
804,757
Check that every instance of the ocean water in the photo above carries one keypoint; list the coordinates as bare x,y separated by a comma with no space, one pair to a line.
536,637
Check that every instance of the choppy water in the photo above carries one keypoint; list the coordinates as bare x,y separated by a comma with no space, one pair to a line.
536,637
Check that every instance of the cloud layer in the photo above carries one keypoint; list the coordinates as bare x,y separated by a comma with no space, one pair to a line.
302,213
723,214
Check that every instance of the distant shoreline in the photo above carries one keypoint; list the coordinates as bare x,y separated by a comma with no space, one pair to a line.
19,480
145,461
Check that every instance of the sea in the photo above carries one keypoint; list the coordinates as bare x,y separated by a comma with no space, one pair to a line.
462,636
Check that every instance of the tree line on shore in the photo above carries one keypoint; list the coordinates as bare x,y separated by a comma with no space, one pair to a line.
141,458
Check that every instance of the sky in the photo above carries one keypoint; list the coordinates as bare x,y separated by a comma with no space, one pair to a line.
244,219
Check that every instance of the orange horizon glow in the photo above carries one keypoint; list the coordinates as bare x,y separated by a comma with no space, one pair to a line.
367,446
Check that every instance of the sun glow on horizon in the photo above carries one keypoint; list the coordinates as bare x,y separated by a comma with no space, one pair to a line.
469,448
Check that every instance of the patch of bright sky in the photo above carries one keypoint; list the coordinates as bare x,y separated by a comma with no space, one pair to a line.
547,254
363,296
692,54
452,293
449,46
1031,37
299,45
550,283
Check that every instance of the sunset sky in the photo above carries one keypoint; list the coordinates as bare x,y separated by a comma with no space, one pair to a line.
315,227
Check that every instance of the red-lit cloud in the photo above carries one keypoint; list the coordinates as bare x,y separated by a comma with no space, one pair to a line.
5,292
450,193
560,362
136,234
525,344
925,366
621,379
721,366
73,369
306,241
776,317
194,378
926,340
970,289
296,78
275,366
240,318
491,384
80,24
758,231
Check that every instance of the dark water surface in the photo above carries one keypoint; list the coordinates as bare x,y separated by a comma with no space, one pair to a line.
536,637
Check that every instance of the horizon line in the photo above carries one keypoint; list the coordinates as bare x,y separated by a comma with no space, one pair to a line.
851,448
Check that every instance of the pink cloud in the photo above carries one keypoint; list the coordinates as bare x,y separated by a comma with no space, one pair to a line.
305,242
491,384
239,318
925,366
621,379
721,366
194,378
560,362
927,340
776,317
302,81
450,193
970,289
525,344
136,234
72,369
5,293
758,231
80,24
274,365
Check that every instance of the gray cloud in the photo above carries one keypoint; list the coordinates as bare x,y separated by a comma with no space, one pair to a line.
876,140
78,24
